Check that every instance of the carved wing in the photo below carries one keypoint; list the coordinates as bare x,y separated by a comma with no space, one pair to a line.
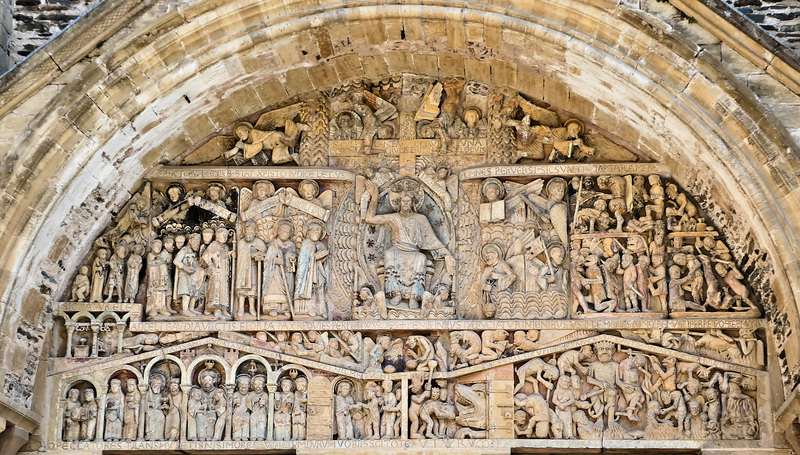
159,203
384,110
452,186
515,189
326,197
371,99
438,188
287,190
430,105
535,186
541,115
344,249
196,193
232,199
277,118
132,203
467,249
227,142
558,218
245,198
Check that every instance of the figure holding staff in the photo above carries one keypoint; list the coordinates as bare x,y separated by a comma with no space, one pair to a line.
279,269
250,251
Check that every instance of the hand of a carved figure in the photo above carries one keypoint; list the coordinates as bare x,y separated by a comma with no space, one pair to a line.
450,263
371,188
278,260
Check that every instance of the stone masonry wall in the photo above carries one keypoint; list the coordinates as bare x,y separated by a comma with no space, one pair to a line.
27,24
781,18
6,28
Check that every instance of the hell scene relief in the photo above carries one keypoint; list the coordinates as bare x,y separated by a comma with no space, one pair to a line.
412,258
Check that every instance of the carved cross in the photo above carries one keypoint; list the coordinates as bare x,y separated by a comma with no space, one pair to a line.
407,147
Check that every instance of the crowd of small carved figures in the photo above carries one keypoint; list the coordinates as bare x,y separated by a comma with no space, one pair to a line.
453,350
452,116
608,245
542,248
592,391
624,394
404,231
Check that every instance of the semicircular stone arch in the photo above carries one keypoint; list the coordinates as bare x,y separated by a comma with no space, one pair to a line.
605,127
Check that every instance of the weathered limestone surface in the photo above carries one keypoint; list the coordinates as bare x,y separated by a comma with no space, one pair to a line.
25,25
170,84
756,71
6,29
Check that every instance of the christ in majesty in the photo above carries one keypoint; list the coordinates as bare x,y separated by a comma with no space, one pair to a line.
404,261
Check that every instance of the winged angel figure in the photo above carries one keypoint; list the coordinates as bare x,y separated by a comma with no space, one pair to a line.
263,143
